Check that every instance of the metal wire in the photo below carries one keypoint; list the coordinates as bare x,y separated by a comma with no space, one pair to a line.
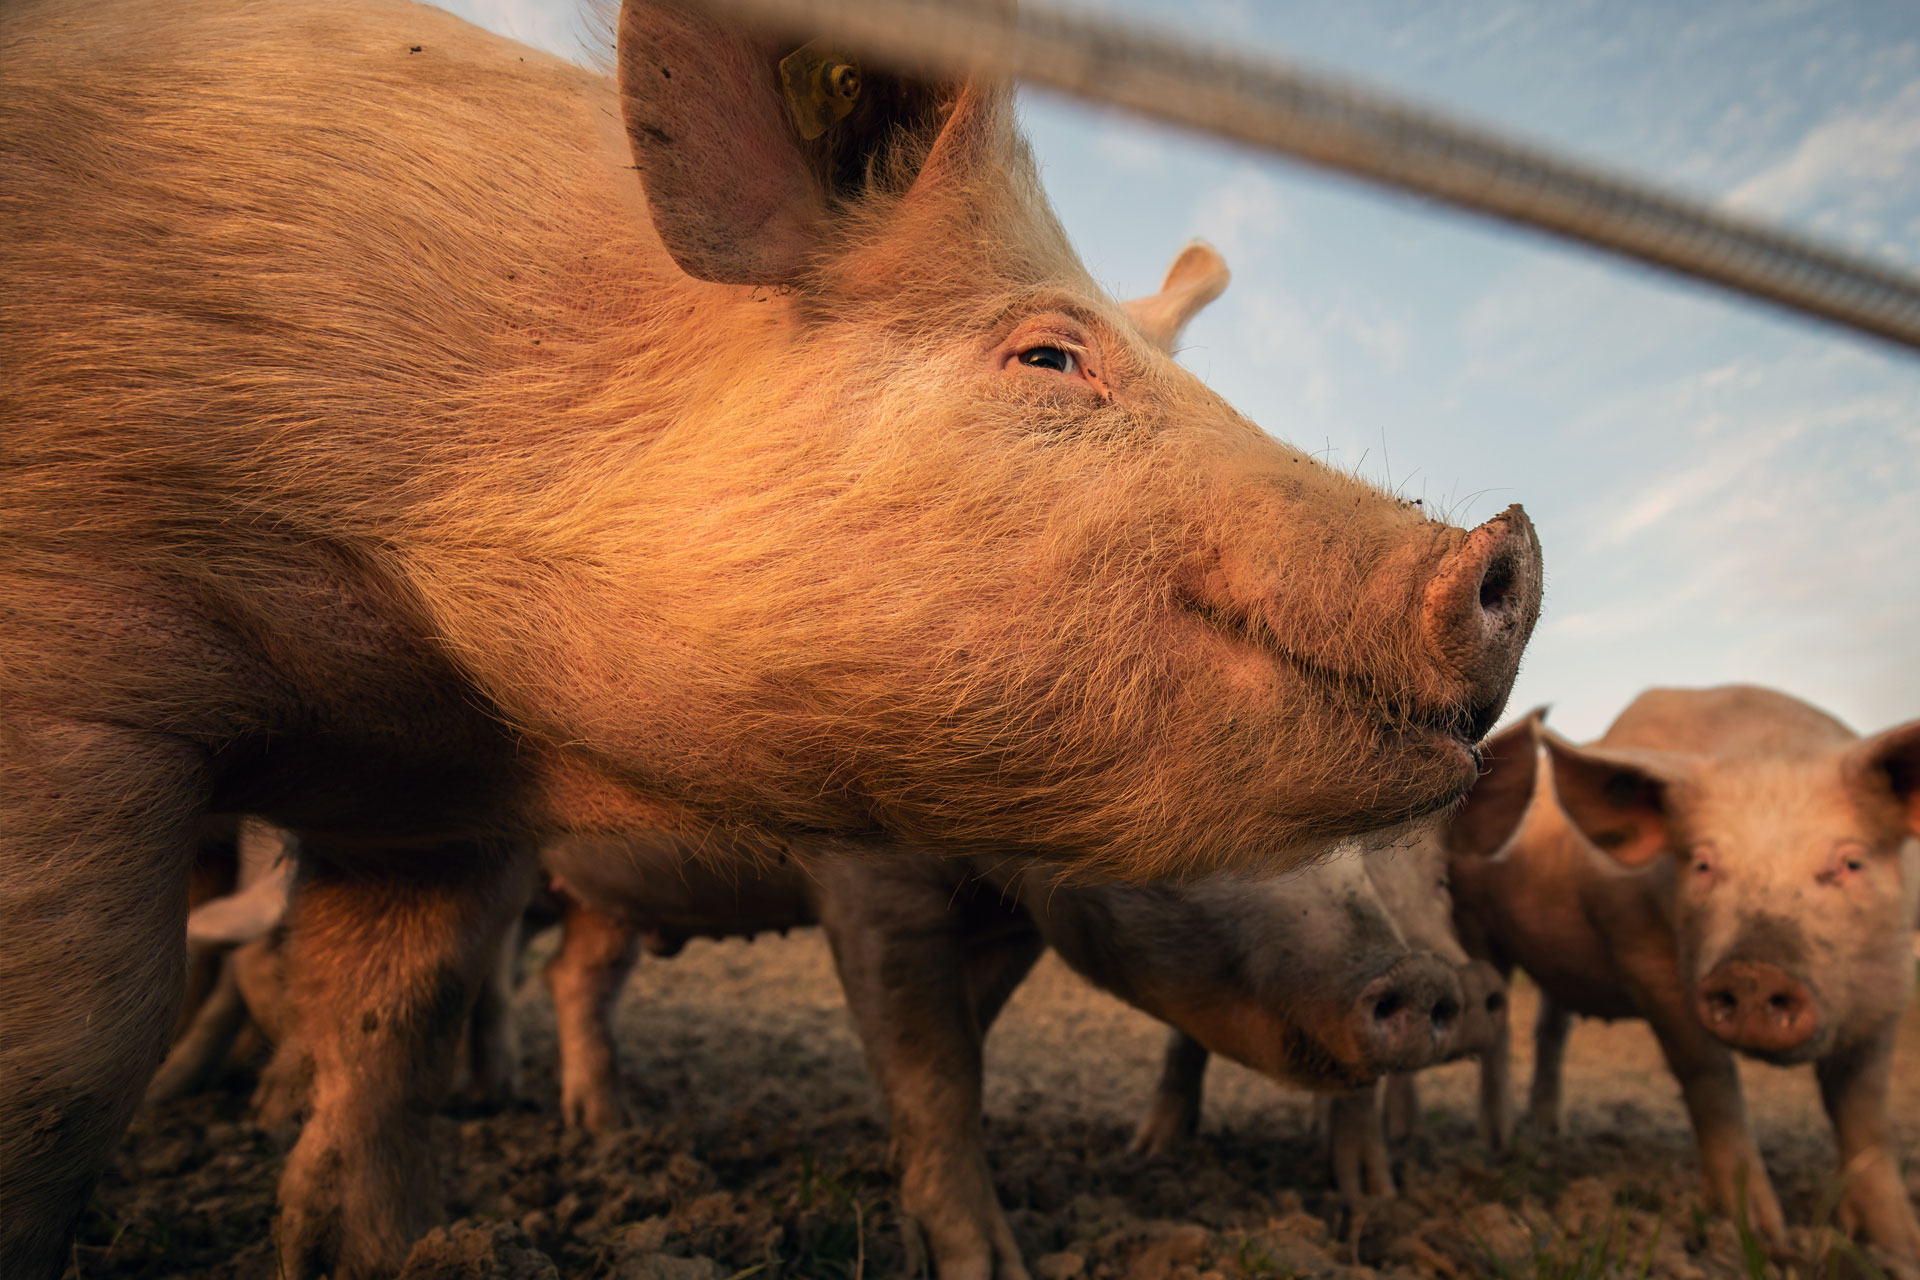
1363,132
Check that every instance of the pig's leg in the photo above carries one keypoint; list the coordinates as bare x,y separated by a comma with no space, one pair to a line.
1549,1067
585,974
1358,1146
1173,1116
381,974
1729,1160
1854,1087
493,1037
995,970
97,832
198,1057
1496,1078
903,964
1402,1106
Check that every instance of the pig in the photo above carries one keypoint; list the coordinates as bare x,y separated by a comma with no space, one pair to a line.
1739,869
432,446
1412,885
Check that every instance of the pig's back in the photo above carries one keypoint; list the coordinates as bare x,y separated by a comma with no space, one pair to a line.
1731,720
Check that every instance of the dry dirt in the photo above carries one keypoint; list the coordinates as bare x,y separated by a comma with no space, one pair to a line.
758,1149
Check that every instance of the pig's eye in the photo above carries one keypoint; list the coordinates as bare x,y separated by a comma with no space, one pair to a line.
1702,860
1055,358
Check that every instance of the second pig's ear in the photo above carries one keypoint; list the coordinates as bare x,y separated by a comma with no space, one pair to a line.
1889,764
1197,277
1492,811
1621,801
746,143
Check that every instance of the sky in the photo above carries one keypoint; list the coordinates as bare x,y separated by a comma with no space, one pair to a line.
1723,492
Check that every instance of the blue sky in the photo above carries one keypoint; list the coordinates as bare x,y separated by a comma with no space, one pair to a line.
1723,493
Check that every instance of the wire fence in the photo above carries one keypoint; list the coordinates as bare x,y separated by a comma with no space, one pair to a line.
1363,132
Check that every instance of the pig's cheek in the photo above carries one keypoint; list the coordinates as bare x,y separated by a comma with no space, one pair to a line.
1250,677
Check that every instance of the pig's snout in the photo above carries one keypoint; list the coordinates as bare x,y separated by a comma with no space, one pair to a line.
1479,609
1484,1011
1758,1007
1407,1015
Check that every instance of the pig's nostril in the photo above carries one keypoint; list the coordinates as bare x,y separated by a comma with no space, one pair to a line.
1721,1004
1388,1005
1496,588
1445,1010
1781,1003
1496,1002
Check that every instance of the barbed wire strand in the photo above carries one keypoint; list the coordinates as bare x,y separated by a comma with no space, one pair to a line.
1363,132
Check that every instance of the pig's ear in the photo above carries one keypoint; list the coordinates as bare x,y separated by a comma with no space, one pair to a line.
1197,277
746,142
1492,811
1889,763
1618,800
242,917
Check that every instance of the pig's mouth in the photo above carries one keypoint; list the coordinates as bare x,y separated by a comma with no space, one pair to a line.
1391,714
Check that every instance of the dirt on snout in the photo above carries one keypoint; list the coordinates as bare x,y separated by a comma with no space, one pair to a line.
758,1148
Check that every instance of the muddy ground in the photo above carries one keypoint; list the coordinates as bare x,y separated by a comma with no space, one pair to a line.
758,1149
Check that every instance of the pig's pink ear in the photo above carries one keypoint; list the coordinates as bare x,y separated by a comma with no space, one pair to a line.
1492,811
1197,277
1619,800
1889,763
738,194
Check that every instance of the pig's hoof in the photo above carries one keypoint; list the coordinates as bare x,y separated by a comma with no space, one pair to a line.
1164,1131
598,1112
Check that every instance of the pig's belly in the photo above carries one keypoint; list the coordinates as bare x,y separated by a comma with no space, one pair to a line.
680,894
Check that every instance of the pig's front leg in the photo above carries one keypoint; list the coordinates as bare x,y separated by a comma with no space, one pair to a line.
97,827
1729,1160
1545,1098
903,962
1853,1085
381,972
1173,1116
585,976
1496,1088
1358,1145
1401,1105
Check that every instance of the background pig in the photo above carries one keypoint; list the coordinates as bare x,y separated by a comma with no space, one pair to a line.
1411,883
1415,884
428,445
1739,869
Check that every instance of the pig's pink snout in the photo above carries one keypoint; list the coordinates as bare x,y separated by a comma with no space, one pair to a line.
1479,609
1407,1015
1758,1007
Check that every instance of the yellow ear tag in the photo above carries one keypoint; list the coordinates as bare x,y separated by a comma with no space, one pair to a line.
821,83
